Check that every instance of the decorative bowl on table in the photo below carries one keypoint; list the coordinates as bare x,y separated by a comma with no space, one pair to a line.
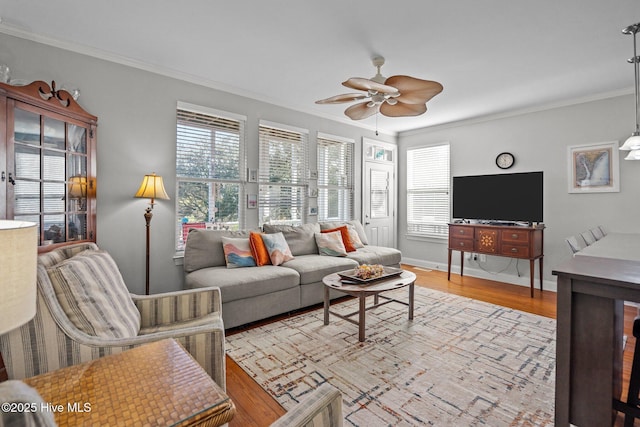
368,273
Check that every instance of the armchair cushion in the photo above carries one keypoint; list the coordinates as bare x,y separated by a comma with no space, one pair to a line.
94,296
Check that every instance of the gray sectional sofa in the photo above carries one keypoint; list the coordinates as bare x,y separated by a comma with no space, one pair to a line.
254,293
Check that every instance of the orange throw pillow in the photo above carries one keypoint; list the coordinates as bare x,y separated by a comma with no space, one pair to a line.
346,240
258,249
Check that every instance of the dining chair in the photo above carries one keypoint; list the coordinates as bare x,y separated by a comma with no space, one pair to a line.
588,237
597,233
576,243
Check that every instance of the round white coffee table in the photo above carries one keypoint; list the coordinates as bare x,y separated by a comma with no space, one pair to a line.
376,288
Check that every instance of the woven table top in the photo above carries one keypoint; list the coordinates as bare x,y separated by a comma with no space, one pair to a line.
155,384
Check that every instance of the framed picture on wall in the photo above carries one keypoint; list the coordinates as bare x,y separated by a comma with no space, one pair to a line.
252,201
594,168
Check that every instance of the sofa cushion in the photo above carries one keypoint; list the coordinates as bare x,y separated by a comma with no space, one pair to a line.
92,293
376,255
258,249
277,247
237,252
331,244
312,268
204,248
354,222
240,283
300,238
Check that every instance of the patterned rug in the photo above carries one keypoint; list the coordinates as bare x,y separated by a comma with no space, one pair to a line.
460,362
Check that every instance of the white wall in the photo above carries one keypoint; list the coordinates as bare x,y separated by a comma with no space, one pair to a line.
136,135
539,141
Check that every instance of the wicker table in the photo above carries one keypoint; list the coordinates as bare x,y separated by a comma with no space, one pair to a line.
157,384
332,281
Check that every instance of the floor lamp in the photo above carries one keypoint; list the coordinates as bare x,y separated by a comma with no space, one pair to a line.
151,188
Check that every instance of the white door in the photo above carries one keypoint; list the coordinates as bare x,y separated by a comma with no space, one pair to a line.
379,197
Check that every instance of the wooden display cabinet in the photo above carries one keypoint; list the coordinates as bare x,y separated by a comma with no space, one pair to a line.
48,163
499,240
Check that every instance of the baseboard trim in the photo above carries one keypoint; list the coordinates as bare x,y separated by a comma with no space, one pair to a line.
549,285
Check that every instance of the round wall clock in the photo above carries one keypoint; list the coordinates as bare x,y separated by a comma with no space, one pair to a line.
505,160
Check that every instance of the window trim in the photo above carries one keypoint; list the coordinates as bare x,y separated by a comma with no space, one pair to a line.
240,182
301,185
349,187
438,236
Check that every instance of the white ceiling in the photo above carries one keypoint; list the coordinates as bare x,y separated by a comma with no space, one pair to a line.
492,56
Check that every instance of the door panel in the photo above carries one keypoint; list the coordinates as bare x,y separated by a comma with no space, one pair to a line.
378,203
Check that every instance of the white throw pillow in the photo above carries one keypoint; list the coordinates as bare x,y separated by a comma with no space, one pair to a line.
331,244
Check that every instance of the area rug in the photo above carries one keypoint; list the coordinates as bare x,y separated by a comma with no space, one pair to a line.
460,362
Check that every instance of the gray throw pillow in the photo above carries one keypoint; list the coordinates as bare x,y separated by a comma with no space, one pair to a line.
300,238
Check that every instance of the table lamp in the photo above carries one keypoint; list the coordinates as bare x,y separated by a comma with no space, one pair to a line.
18,260
152,188
77,188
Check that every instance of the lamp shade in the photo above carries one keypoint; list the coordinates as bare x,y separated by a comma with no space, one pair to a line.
152,188
633,155
77,187
632,143
18,259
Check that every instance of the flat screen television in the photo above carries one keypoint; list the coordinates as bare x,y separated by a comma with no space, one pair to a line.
510,197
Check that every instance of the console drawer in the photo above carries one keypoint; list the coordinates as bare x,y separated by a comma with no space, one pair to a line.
461,244
460,232
515,251
515,236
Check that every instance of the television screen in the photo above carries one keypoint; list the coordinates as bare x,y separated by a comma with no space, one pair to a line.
508,197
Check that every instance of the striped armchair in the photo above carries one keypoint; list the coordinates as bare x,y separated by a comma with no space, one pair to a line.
65,332
321,408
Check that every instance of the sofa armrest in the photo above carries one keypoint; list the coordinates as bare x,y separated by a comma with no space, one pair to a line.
324,404
171,307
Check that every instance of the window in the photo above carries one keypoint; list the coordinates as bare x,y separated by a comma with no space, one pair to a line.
282,178
335,178
210,160
428,191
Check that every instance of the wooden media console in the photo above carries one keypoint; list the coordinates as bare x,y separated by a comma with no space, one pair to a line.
510,241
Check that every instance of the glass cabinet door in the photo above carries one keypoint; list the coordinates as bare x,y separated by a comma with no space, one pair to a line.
51,174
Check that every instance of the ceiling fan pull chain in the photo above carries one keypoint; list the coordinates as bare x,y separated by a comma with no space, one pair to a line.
376,124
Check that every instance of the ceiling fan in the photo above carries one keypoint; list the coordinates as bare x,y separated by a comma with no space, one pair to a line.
396,96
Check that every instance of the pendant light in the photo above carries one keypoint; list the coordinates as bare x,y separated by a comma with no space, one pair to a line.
633,142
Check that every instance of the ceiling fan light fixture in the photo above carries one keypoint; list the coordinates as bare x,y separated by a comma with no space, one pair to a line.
396,96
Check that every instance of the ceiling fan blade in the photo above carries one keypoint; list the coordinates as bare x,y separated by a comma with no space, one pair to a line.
413,90
360,111
367,84
345,97
402,110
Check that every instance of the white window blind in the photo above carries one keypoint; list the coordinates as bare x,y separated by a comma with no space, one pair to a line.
428,183
282,178
210,162
335,178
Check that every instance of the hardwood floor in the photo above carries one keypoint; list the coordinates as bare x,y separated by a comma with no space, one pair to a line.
255,407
